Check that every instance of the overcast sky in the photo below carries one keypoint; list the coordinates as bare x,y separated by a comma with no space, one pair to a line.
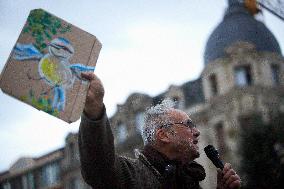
147,46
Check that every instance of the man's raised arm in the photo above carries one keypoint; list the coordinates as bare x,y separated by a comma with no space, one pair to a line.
95,138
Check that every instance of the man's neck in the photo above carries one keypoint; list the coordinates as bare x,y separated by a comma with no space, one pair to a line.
166,152
171,155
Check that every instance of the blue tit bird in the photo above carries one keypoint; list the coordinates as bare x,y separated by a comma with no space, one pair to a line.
54,67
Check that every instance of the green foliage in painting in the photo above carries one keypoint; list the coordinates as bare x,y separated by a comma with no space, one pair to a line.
44,103
42,26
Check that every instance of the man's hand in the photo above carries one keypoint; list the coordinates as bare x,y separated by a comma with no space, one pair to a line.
94,100
228,178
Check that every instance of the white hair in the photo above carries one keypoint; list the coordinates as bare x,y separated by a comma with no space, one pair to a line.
155,117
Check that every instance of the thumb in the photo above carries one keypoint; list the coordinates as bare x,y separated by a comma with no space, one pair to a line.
88,75
219,178
219,174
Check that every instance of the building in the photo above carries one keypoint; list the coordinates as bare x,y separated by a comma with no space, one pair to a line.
34,172
59,169
243,76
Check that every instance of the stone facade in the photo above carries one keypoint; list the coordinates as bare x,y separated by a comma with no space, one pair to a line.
218,117
216,102
31,173
127,123
243,79
70,165
260,92
59,169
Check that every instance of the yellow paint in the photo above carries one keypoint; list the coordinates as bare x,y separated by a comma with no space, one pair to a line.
49,69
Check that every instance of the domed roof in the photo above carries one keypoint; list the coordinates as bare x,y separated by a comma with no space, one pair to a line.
239,25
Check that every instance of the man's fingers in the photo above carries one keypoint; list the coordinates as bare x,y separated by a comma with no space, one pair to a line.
235,185
88,75
95,94
228,174
95,83
219,174
227,167
90,95
219,178
232,179
229,178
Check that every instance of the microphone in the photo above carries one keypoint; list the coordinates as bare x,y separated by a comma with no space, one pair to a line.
213,155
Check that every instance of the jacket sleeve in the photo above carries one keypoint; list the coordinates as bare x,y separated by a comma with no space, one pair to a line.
99,166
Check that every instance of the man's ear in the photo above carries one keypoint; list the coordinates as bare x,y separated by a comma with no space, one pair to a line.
162,135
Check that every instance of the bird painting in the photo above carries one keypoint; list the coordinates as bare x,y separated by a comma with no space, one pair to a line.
54,67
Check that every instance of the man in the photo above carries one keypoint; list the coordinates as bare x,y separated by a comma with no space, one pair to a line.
166,162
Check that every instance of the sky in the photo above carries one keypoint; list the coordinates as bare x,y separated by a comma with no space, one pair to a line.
147,46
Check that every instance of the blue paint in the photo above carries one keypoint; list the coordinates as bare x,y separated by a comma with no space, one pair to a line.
26,52
29,51
64,40
81,67
77,69
59,98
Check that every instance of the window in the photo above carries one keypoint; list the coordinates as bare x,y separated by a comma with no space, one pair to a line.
139,122
121,133
275,72
213,84
243,76
16,183
72,151
176,101
74,155
25,182
28,181
75,183
31,181
50,174
220,135
6,185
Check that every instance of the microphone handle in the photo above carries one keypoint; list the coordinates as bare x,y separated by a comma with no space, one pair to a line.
218,163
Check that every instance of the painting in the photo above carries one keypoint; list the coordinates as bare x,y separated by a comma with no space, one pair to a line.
44,68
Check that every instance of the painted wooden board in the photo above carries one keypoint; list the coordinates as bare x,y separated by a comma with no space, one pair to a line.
43,69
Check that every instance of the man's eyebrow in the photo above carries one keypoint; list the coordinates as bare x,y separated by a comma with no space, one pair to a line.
189,118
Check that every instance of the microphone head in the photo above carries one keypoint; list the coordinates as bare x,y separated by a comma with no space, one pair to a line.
213,155
211,151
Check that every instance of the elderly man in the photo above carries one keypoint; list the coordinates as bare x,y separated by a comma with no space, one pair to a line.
166,162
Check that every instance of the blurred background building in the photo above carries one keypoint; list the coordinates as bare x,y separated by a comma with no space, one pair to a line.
243,77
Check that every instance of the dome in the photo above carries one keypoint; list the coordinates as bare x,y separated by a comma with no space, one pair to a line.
239,25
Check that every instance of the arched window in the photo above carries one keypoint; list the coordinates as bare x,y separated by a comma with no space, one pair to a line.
28,181
275,73
50,175
121,133
177,102
74,154
213,84
220,136
139,121
6,185
243,76
75,183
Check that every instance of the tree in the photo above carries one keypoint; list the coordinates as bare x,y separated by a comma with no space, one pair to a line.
260,164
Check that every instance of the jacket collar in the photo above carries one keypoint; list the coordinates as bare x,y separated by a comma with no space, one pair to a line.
167,167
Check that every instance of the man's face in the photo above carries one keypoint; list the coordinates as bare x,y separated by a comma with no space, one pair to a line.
183,136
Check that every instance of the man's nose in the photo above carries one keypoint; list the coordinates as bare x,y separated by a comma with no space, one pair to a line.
195,132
